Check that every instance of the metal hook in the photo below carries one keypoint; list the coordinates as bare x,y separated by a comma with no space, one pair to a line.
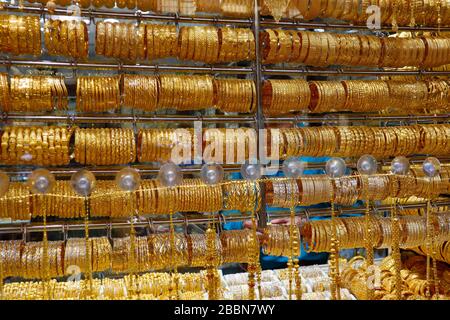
24,232
177,22
185,225
138,14
221,217
307,214
42,13
65,232
151,225
374,209
91,17
135,128
8,64
4,116
73,65
434,206
109,230
119,67
341,212
71,120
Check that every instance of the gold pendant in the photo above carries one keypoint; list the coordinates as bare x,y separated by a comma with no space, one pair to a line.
277,8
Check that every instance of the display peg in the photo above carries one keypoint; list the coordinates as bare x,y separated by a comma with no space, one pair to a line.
170,175
41,181
83,182
335,167
367,165
128,179
293,168
400,165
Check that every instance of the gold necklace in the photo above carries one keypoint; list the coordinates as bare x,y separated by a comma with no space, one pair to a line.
395,225
173,290
277,8
334,254
368,243
211,265
88,266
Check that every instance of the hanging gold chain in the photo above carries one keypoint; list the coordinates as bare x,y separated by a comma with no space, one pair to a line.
46,282
212,261
395,225
173,290
88,266
368,243
334,253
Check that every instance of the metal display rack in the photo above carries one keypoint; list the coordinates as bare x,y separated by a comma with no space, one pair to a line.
263,21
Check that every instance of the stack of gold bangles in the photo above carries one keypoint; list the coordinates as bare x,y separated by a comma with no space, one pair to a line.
439,251
407,12
413,232
186,93
235,246
141,92
276,241
20,35
104,146
16,203
63,202
48,146
151,286
152,198
66,38
96,94
326,49
160,145
154,252
149,41
235,95
121,40
354,141
34,93
107,200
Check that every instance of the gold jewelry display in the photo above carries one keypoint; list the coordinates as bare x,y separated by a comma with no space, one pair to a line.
323,49
413,277
356,141
277,8
20,35
153,285
98,94
232,8
66,38
119,147
34,93
48,146
160,145
412,231
141,92
153,41
138,76
107,200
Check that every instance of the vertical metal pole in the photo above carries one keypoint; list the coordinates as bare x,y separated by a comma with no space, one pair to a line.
262,221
